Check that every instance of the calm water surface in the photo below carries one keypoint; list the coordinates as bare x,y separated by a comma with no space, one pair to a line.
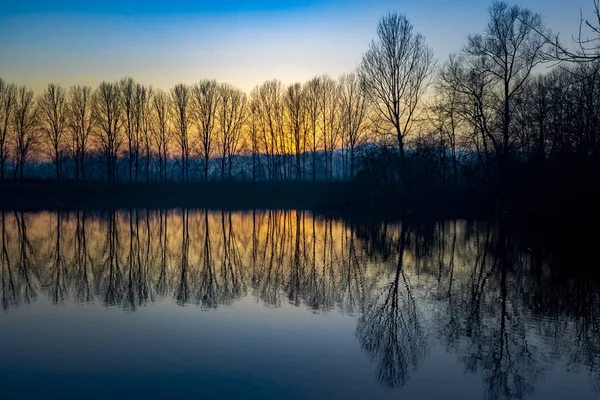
281,304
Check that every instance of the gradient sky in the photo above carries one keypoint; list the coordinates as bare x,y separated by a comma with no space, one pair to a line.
246,43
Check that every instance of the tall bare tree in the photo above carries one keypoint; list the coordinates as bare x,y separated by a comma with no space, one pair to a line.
254,131
329,96
295,104
81,123
231,116
182,109
509,49
128,98
161,130
27,132
268,104
8,100
447,121
143,111
53,120
206,104
312,89
354,111
107,110
396,71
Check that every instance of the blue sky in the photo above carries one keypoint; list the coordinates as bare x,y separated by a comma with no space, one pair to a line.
162,43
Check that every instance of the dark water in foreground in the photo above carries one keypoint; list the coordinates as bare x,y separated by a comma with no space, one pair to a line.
167,304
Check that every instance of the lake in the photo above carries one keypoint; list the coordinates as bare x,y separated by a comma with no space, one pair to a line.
285,304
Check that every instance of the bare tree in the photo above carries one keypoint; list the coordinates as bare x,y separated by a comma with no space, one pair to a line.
354,110
161,130
268,105
206,103
295,103
26,122
396,72
587,48
509,50
53,117
470,79
254,131
8,100
143,110
447,121
182,108
232,112
128,93
81,123
328,100
107,109
312,89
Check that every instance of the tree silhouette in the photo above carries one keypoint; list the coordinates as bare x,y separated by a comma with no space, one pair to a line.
396,71
8,99
206,105
53,116
81,124
107,108
182,111
27,133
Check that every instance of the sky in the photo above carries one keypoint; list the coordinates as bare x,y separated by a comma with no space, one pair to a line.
161,43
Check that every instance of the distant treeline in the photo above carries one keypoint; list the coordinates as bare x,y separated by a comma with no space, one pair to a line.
515,105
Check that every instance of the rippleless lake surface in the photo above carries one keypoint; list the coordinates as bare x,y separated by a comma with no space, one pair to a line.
281,304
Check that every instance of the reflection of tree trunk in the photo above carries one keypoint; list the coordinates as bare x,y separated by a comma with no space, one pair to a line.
294,287
81,259
354,279
9,293
183,287
58,289
390,330
161,285
113,289
24,263
232,269
132,256
207,294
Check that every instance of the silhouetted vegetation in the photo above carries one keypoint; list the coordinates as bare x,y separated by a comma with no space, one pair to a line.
496,126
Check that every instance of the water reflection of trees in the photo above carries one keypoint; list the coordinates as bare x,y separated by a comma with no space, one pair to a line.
507,310
391,330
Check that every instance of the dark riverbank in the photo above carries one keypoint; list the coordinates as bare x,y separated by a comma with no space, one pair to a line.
325,197
352,199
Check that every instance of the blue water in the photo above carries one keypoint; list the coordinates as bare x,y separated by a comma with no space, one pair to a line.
167,304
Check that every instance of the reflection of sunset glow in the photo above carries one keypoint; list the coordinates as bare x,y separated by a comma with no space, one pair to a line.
407,286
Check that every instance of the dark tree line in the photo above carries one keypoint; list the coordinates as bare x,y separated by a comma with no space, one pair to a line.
515,104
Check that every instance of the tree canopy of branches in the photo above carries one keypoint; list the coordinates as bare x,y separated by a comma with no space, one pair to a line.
396,71
489,115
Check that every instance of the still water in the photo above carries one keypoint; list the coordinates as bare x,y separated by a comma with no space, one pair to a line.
281,304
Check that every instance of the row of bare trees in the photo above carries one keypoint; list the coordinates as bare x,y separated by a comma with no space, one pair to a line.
187,128
485,110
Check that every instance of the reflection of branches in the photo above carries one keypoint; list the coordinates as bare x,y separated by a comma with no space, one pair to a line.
9,294
28,291
233,285
113,291
182,294
82,279
353,286
390,330
163,244
58,271
207,294
488,296
481,320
